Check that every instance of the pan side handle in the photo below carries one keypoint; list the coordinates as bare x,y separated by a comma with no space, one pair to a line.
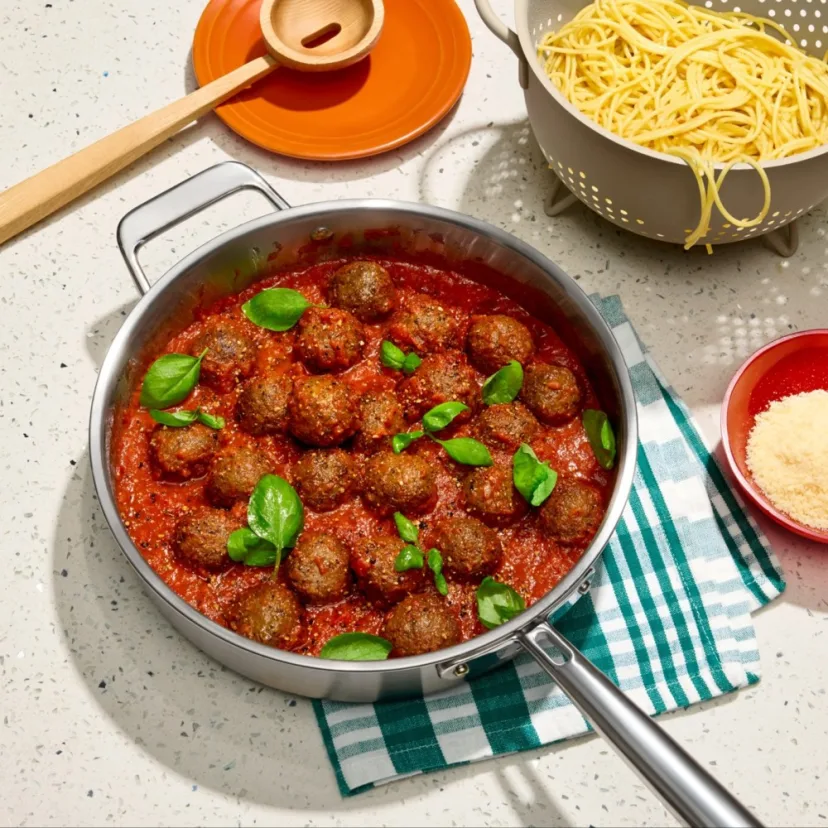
693,796
500,30
181,202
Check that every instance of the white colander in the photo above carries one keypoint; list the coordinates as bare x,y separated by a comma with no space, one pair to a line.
648,192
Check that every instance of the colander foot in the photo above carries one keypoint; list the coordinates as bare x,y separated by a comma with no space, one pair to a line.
785,240
559,199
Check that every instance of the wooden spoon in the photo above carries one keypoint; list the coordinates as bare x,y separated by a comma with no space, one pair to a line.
310,35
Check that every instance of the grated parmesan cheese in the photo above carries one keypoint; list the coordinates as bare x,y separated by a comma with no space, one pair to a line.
787,454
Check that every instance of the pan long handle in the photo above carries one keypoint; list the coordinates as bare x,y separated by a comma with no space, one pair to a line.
682,784
500,30
181,202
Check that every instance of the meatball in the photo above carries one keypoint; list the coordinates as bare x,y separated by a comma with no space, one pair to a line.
323,411
329,339
268,613
506,425
469,547
183,453
201,537
491,494
551,392
262,405
235,473
421,624
381,418
363,288
400,483
318,567
230,357
440,378
572,513
424,326
494,341
324,478
373,563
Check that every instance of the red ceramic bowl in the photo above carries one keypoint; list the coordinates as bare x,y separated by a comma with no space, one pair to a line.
791,365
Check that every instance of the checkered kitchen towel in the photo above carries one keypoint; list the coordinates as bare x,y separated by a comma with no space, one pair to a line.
667,618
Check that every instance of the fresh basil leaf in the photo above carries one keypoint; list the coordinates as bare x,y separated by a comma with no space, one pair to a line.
504,385
411,363
245,546
467,451
400,442
442,415
210,420
265,554
170,379
497,603
275,513
601,437
435,564
409,557
533,479
174,419
546,480
356,646
391,356
277,309
408,531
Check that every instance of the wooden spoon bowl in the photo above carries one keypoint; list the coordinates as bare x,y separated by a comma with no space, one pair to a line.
320,35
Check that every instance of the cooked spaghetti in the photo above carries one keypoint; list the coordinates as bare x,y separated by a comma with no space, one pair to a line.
707,87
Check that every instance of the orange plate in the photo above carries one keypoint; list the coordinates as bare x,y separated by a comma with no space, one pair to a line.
411,79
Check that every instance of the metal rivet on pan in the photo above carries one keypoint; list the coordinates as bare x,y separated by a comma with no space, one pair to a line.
321,234
461,670
583,589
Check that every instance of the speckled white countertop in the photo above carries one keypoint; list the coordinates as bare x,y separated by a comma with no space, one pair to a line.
108,716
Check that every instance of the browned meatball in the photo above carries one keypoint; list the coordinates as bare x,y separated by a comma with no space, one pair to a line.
318,567
381,418
201,537
491,494
182,453
424,326
373,563
235,473
506,425
400,483
262,405
494,341
329,339
440,378
363,288
573,512
325,478
268,613
551,391
230,357
421,624
469,547
323,411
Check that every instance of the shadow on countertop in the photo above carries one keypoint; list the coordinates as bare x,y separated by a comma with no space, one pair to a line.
205,723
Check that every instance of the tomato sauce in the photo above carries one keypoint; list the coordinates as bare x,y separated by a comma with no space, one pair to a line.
532,563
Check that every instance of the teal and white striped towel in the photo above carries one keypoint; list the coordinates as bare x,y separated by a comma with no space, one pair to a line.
667,618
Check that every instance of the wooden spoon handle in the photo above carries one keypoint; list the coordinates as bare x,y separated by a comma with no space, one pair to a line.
35,198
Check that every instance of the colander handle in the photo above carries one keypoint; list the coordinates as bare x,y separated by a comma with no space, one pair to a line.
500,30
686,788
